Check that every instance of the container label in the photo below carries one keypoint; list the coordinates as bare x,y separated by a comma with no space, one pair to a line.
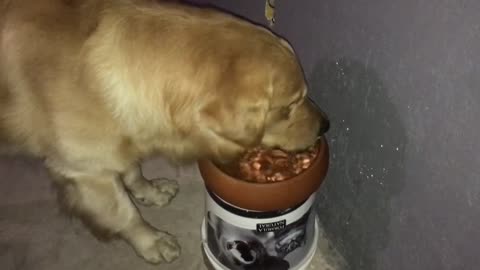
272,226
271,246
281,242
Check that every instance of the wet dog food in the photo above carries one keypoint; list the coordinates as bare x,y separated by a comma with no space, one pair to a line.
272,165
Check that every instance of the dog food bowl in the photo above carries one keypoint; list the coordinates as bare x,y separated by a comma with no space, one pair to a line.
251,225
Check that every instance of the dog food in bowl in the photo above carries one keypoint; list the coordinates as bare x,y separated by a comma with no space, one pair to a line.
264,165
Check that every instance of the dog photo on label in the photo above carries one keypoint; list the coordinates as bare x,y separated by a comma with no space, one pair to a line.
243,249
94,87
240,248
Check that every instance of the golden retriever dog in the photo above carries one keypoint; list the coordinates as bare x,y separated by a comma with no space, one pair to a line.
95,86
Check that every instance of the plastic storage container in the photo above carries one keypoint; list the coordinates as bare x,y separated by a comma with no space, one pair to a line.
251,225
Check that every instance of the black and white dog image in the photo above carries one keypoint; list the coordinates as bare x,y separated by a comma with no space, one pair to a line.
244,249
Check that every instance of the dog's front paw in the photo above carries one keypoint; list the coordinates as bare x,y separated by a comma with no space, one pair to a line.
160,247
158,192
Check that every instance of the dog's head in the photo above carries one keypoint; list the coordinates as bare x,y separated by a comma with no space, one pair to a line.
293,121
264,102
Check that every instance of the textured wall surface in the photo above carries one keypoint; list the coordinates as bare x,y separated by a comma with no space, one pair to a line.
400,81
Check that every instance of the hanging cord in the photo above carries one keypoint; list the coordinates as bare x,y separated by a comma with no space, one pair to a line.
270,12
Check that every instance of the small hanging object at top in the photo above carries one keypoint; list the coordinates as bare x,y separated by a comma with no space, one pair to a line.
270,12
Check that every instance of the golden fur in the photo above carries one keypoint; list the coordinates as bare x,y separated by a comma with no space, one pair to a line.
93,87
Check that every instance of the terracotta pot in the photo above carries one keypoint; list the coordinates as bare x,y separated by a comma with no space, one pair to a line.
267,197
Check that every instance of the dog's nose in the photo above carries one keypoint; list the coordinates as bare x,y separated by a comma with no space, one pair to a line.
325,123
324,127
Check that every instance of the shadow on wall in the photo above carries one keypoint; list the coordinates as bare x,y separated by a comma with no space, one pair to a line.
367,142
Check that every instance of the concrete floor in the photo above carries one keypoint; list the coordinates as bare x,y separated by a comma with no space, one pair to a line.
34,236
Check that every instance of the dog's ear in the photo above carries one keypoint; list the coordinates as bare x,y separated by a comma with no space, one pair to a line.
234,112
234,124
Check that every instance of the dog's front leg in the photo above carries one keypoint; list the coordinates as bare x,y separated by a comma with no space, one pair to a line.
103,203
158,192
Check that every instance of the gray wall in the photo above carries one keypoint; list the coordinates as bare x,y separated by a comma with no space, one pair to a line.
400,81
